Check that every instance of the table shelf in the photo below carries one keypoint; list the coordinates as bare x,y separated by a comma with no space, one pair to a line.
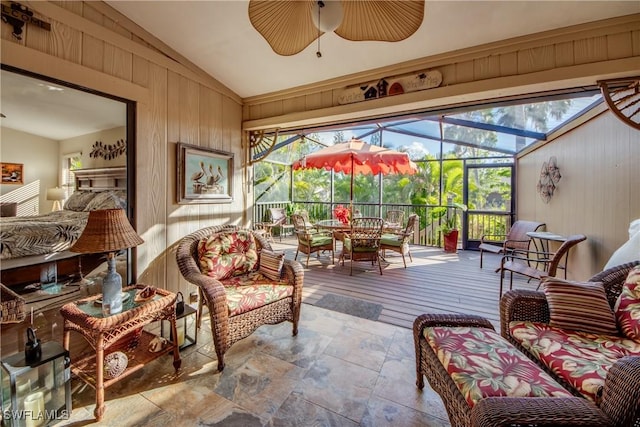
85,366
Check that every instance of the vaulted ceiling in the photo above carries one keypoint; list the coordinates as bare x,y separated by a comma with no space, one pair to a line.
218,37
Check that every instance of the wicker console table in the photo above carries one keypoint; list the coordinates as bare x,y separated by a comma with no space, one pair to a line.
107,333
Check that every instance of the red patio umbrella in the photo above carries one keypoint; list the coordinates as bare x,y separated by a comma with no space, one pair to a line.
358,157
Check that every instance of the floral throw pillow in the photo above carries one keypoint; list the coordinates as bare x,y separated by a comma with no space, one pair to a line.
271,264
627,308
579,306
230,254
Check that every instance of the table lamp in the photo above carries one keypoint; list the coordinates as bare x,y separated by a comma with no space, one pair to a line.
108,230
57,195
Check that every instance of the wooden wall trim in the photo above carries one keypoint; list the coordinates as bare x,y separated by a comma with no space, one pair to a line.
57,13
545,38
454,95
35,61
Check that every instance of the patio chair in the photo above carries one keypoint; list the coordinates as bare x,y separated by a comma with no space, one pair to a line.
277,217
545,263
362,242
305,216
399,242
311,241
394,220
515,239
238,283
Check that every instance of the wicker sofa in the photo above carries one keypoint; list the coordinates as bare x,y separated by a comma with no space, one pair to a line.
240,290
486,379
580,360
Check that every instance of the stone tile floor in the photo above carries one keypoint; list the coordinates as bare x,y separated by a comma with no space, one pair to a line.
339,371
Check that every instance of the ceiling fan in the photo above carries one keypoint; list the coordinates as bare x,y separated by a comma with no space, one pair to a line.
289,26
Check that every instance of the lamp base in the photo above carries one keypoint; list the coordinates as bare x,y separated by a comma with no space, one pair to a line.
112,288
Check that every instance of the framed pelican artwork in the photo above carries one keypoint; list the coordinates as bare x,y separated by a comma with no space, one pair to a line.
205,175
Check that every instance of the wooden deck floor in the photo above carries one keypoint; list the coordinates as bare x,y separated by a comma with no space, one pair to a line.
435,282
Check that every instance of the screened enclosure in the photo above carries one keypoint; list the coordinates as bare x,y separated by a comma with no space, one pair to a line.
465,158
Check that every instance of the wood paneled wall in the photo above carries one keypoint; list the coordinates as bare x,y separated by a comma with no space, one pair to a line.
597,195
92,45
557,59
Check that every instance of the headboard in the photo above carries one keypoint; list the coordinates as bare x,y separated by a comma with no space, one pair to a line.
101,179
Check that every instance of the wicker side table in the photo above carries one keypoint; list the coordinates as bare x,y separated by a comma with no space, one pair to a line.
85,317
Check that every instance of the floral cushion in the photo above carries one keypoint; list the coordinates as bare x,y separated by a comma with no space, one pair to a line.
627,308
228,254
482,364
248,292
361,245
582,359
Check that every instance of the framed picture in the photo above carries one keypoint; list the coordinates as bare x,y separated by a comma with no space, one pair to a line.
12,173
205,175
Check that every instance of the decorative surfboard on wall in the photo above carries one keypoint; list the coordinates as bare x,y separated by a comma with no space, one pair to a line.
390,86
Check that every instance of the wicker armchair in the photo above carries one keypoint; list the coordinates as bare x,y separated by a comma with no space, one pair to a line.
227,327
399,242
362,243
309,240
393,220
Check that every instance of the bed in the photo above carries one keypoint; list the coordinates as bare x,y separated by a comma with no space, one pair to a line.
33,240
103,188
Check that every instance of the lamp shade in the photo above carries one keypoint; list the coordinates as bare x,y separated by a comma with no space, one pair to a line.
55,193
107,230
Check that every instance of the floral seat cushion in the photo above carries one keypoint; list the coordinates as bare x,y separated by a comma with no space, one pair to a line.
582,359
248,292
361,245
224,255
482,364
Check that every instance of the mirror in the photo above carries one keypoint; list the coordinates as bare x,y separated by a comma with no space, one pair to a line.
50,129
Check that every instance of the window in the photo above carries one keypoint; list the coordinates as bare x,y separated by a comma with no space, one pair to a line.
70,162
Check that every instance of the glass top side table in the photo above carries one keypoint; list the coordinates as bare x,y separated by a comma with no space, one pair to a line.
103,332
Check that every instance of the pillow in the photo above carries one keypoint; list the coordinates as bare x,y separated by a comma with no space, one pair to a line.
627,308
78,200
579,306
228,254
271,264
106,200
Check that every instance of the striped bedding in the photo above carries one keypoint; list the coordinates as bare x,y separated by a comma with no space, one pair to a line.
40,234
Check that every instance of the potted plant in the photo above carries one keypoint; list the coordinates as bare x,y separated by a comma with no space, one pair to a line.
450,229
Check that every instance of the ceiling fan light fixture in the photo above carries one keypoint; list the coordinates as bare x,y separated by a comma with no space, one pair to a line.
327,15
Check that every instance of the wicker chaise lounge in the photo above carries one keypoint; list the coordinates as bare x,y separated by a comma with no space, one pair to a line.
615,410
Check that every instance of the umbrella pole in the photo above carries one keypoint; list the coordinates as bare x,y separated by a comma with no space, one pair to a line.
351,189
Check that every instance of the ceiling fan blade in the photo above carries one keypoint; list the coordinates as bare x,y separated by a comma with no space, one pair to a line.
286,25
389,21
